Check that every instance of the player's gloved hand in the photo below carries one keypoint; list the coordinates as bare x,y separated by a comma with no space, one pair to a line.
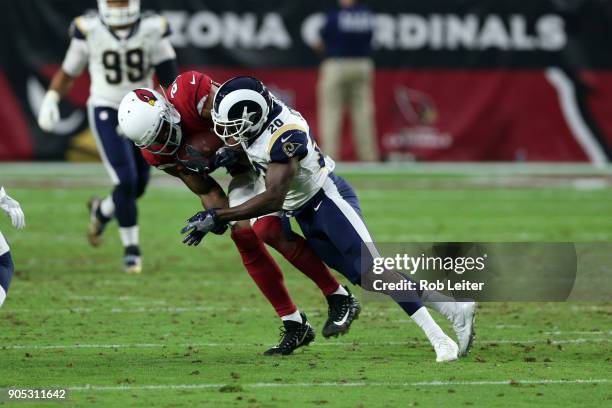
12,209
227,157
49,114
201,224
196,162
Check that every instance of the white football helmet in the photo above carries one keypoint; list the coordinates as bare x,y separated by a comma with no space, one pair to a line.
240,110
115,14
150,121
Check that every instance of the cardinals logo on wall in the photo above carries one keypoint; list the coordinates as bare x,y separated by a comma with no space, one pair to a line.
415,123
416,107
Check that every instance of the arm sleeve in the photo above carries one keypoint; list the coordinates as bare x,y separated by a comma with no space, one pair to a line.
76,58
166,72
293,143
164,56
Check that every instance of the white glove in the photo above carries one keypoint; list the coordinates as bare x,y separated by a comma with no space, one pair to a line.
49,114
12,209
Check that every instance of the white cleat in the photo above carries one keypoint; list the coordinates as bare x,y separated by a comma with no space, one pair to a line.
463,324
446,349
132,264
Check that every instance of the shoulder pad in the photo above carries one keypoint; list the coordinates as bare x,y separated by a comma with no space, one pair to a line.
155,23
82,25
288,142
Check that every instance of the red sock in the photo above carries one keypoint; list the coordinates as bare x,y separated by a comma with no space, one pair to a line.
270,230
264,270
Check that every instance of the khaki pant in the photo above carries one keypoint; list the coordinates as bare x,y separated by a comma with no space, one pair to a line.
347,83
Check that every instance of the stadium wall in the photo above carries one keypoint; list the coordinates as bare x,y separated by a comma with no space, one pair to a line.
457,80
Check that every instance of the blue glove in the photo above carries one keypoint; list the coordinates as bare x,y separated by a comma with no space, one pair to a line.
201,224
227,157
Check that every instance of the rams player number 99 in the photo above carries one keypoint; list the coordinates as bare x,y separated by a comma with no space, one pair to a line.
122,48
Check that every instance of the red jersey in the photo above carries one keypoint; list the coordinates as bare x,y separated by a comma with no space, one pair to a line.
189,94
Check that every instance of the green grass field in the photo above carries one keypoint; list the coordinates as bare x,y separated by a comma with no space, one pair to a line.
190,330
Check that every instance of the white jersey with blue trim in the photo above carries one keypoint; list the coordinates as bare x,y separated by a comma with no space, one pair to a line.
118,60
286,136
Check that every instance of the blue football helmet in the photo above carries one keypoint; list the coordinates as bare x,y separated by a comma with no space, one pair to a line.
240,110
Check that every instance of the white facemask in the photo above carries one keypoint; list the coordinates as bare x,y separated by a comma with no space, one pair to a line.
119,16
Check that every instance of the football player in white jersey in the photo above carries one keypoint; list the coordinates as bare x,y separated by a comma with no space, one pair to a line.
14,212
123,48
300,181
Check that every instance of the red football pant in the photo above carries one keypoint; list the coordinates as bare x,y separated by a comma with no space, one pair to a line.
264,270
270,230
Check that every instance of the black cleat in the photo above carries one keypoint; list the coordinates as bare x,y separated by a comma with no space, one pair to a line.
341,313
293,335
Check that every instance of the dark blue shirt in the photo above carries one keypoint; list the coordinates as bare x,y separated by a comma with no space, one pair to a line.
347,33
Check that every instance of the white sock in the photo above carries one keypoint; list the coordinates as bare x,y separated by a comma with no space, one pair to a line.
107,207
2,295
445,305
295,316
340,291
129,236
424,320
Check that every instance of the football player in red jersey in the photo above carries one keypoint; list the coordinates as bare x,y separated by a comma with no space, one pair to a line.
175,135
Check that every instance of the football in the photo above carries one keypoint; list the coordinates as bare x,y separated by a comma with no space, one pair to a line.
203,144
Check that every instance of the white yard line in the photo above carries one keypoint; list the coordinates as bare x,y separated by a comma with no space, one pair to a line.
88,387
318,344
580,333
98,297
141,309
